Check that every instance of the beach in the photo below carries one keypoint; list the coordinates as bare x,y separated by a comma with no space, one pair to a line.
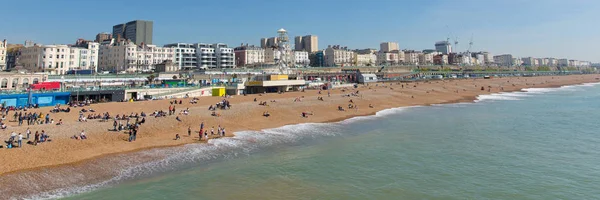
245,114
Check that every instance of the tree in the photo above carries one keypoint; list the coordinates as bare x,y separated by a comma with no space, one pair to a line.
174,76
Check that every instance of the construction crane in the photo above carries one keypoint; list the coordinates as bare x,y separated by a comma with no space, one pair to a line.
470,43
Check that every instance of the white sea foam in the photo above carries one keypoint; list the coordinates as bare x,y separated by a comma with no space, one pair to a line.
495,97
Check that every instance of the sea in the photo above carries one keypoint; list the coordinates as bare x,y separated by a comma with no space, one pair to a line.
540,143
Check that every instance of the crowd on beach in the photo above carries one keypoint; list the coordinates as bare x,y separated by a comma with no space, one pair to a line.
130,123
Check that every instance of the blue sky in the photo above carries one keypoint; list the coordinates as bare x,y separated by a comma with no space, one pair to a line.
538,28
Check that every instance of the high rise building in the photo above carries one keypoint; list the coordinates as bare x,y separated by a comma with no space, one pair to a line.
310,43
505,60
272,42
101,37
444,47
263,43
388,46
298,46
338,56
138,31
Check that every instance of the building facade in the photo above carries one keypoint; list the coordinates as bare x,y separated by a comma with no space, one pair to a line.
389,46
3,52
101,37
300,58
505,60
528,61
411,57
365,59
211,56
249,55
338,56
390,58
20,81
185,55
444,47
138,31
58,59
129,57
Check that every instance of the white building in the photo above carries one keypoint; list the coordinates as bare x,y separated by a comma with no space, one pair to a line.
214,56
127,56
528,61
301,58
185,55
3,49
249,55
505,60
366,59
338,56
58,59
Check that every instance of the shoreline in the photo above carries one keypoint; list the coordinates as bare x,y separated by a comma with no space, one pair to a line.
463,99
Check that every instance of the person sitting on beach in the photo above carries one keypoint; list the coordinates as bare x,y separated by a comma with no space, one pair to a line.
177,137
3,126
82,135
340,108
215,114
370,106
266,114
177,118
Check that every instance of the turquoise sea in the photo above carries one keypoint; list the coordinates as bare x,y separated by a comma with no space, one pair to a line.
535,144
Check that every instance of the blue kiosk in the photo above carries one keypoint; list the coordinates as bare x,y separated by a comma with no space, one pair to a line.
42,99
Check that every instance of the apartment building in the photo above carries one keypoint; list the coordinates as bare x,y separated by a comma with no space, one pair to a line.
249,55
411,57
390,58
338,56
127,56
3,53
185,55
217,55
365,59
505,60
300,58
58,59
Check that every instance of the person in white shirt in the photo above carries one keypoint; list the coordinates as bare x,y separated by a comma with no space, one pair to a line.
20,141
82,135
28,132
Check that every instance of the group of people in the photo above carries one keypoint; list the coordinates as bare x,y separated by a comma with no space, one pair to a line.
18,139
204,133
32,118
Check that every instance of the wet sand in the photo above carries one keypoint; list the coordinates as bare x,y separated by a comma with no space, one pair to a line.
245,114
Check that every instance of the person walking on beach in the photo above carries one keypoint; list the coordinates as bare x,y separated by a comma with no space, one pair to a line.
201,125
206,135
189,131
27,132
130,135
223,130
212,130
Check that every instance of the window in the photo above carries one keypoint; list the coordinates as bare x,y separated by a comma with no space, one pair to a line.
15,83
35,81
62,56
25,83
4,83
